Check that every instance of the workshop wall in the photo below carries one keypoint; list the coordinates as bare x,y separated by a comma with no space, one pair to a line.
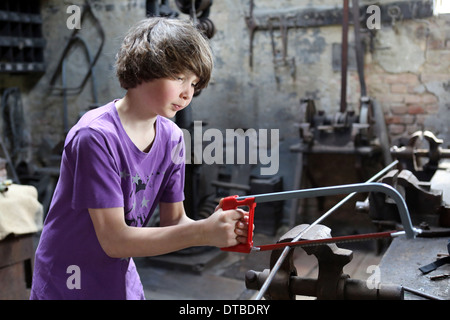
44,99
409,76
407,72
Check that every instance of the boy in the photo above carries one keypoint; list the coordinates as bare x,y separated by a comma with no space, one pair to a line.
118,165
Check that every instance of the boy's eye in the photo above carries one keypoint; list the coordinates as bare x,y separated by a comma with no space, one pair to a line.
182,79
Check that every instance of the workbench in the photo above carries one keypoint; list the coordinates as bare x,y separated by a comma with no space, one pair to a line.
16,267
402,260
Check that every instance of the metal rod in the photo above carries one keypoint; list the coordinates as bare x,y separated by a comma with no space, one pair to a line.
421,294
358,48
344,57
353,188
283,255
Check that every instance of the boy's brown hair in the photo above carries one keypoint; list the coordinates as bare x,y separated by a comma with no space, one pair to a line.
163,48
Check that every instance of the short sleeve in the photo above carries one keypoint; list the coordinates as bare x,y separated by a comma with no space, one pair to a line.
96,178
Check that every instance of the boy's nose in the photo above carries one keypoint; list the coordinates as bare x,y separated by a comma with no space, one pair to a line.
187,93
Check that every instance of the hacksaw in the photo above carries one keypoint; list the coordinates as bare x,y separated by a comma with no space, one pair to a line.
234,202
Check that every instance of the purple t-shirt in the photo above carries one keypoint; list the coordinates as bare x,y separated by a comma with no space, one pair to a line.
102,168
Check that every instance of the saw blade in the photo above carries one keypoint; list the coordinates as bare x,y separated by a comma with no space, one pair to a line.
325,241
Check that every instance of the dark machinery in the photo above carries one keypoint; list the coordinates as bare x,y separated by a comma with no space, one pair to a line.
198,10
422,179
416,157
356,139
347,131
281,280
428,205
331,283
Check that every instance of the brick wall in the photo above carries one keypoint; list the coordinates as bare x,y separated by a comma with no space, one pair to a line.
411,100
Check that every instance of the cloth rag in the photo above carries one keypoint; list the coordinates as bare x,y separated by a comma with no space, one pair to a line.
20,211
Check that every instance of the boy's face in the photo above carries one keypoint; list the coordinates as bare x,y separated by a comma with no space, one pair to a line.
166,96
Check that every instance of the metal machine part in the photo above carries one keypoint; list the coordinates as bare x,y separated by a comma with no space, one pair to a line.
413,154
160,8
422,178
321,132
424,203
199,11
331,283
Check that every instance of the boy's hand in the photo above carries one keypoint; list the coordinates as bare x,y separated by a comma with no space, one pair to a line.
241,229
229,227
226,228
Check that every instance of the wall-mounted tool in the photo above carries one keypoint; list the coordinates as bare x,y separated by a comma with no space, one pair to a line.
280,56
313,17
60,72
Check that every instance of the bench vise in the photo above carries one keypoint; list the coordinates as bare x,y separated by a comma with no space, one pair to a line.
331,284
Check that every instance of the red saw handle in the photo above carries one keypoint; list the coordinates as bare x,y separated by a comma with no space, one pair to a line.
230,203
